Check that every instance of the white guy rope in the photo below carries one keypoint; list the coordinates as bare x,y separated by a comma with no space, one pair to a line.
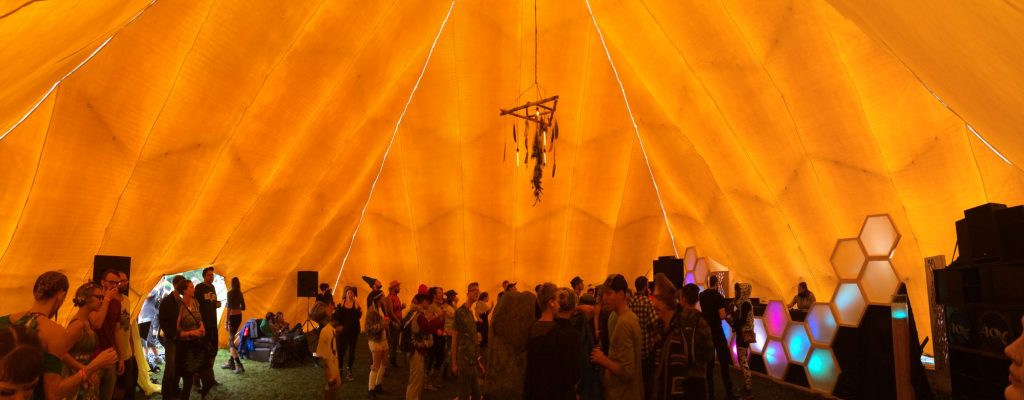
394,134
55,84
636,129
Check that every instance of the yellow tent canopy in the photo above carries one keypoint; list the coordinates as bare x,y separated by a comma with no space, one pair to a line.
249,135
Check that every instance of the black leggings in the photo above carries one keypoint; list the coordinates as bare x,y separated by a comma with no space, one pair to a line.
234,322
347,345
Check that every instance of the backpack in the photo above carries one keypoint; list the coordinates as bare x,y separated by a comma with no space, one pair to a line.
374,324
405,337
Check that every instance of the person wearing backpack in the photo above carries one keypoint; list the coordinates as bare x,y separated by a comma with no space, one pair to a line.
686,347
415,341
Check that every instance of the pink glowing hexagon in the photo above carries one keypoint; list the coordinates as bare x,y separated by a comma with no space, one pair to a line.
848,258
690,258
879,235
879,281
775,359
822,324
689,278
734,351
776,317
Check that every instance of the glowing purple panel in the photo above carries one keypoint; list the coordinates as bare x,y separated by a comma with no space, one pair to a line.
822,324
734,352
689,278
775,359
775,319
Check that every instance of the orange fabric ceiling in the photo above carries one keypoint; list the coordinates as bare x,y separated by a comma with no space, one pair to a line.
248,137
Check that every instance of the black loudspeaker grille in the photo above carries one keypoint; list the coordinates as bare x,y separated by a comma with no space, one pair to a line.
307,283
673,268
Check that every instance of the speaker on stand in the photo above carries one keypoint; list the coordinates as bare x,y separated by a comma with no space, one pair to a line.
306,287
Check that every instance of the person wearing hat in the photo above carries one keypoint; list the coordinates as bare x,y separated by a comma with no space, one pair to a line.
393,308
622,379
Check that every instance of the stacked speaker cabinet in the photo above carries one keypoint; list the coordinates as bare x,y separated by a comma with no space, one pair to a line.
982,296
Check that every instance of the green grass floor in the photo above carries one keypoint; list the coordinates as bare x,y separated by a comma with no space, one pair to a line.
307,381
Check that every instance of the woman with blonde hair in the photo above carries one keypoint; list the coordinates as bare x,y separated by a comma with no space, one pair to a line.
376,333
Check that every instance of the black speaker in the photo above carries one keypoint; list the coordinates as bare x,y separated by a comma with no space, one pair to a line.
983,227
101,264
673,268
307,283
1011,232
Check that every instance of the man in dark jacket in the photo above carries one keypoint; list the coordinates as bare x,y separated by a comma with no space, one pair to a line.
686,346
712,305
206,295
168,317
554,348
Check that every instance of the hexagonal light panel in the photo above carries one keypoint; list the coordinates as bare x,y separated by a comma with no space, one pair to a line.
775,359
797,342
760,334
879,235
822,370
776,317
727,329
735,353
689,278
822,324
849,304
690,258
848,258
700,271
879,281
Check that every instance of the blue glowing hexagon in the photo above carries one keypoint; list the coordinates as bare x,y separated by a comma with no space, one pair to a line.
775,359
822,370
760,334
822,324
849,304
727,329
797,342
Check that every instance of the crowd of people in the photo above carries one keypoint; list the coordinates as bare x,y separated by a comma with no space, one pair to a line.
615,342
93,356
